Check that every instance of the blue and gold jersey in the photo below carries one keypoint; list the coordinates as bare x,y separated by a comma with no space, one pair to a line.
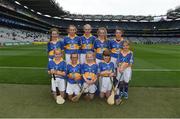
115,47
100,47
104,66
128,58
90,71
87,44
72,45
74,71
60,66
51,47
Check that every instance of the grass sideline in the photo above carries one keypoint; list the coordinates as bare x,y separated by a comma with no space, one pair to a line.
152,93
28,101
146,57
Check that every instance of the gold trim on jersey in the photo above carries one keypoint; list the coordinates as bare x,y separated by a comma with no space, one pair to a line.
115,50
87,46
58,61
72,47
100,50
88,37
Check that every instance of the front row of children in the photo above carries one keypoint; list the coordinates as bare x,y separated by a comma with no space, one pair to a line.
73,77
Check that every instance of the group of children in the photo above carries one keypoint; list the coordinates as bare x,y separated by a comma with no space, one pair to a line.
95,64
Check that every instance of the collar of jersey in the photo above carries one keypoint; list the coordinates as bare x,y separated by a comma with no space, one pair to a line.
56,40
59,60
74,65
106,62
87,37
73,37
127,52
119,41
91,64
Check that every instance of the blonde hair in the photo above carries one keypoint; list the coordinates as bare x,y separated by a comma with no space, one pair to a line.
104,29
90,53
87,25
126,41
58,50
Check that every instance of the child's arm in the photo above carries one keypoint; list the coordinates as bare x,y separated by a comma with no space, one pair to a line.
123,66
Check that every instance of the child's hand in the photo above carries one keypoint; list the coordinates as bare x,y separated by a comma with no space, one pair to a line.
121,69
111,74
88,82
53,71
92,81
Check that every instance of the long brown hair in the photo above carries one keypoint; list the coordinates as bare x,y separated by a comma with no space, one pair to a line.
51,30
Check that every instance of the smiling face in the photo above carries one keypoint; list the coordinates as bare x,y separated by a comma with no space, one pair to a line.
57,54
72,30
74,58
54,35
107,58
90,58
118,33
102,34
87,29
126,46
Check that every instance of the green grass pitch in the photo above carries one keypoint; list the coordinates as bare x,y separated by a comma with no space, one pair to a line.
154,88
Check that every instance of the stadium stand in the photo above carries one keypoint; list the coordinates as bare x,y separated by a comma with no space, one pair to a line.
21,35
32,16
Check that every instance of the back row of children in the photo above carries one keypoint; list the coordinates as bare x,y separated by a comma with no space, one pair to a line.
90,62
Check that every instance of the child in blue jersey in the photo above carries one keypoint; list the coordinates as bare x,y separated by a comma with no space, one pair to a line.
89,72
72,43
54,43
57,66
116,45
106,69
125,61
87,42
101,44
74,78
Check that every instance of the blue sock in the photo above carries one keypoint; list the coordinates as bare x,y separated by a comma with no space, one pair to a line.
126,87
121,86
117,97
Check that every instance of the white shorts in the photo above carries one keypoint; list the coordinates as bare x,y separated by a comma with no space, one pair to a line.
105,84
114,60
83,58
98,61
126,75
68,58
60,83
91,89
73,89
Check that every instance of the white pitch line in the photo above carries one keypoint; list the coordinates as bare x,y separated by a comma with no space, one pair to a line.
160,70
7,67
43,68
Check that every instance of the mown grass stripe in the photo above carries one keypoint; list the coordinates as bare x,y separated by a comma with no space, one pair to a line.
161,70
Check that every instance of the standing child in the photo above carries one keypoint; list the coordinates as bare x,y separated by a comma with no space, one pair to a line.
54,43
57,67
116,45
87,42
125,62
72,43
101,44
